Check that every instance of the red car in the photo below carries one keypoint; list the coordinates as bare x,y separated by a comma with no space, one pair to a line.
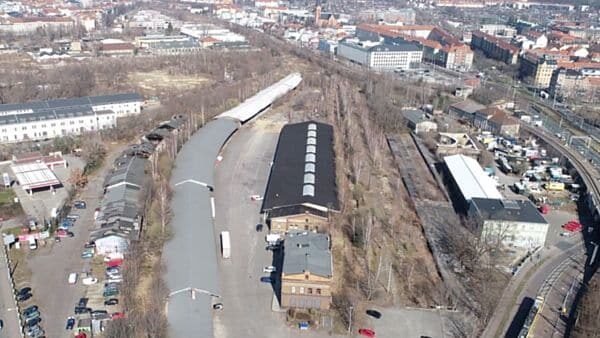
113,263
367,333
64,233
118,315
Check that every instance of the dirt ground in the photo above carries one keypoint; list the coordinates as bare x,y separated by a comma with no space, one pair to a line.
158,81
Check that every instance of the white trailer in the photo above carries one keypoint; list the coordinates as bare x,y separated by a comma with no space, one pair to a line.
225,244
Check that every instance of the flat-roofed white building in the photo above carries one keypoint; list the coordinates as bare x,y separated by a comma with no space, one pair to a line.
381,56
469,180
49,123
34,176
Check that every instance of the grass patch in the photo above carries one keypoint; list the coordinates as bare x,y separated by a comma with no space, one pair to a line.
7,196
8,207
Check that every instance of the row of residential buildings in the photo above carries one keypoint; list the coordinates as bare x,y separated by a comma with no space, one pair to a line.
42,120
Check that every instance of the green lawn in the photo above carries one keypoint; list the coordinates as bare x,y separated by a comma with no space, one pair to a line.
7,196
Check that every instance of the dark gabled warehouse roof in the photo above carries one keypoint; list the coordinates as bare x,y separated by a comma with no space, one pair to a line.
303,170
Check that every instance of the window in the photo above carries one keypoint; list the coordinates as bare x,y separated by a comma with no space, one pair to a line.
318,291
293,289
301,289
306,276
310,290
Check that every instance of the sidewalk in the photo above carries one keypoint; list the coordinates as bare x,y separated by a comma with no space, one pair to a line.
8,311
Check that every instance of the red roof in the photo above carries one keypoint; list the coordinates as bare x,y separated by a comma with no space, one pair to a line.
497,41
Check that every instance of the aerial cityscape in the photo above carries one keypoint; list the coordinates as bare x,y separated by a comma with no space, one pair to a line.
286,168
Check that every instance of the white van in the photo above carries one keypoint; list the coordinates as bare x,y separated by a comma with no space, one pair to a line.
73,278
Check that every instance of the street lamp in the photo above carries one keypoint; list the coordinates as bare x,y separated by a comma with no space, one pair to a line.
350,319
193,291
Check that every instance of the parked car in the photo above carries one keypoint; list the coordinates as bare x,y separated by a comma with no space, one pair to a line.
374,313
31,309
80,310
87,254
64,233
269,269
70,323
89,245
114,262
118,315
33,331
33,321
32,315
266,279
24,291
89,281
112,301
218,306
367,333
112,269
22,298
82,302
115,279
110,293
67,223
97,314
79,204
111,285
73,217
72,278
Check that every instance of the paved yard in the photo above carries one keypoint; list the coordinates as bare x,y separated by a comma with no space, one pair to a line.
413,323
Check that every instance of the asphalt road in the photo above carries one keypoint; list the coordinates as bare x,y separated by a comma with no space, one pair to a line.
8,313
528,284
191,255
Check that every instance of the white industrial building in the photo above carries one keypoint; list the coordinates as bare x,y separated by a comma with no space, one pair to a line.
50,123
121,104
510,222
497,220
199,31
404,55
469,179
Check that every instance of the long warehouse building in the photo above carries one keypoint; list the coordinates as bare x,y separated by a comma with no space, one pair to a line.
469,180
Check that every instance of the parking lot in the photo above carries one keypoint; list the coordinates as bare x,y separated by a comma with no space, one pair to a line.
51,265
